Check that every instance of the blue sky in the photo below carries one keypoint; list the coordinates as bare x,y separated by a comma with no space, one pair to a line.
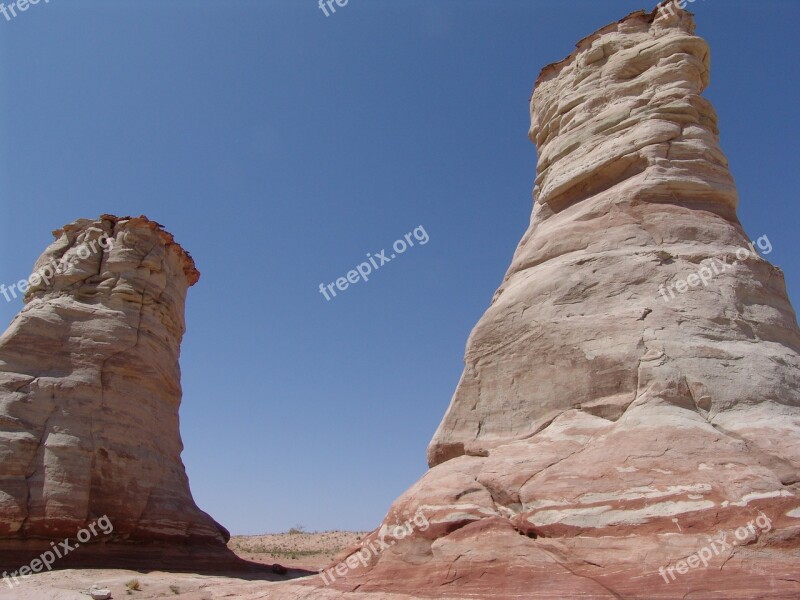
280,147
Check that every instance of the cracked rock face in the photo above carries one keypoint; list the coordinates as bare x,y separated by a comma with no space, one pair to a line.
90,391
605,427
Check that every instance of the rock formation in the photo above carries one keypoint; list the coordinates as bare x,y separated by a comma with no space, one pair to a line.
613,421
89,395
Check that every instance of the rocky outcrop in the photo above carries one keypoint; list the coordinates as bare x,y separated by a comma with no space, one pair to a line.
628,420
90,391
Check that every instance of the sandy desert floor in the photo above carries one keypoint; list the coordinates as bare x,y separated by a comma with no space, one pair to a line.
310,551
301,553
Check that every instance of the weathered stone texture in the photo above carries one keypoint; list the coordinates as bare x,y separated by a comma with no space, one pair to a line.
599,431
90,391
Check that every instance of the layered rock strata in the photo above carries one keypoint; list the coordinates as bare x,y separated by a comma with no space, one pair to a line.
613,436
90,390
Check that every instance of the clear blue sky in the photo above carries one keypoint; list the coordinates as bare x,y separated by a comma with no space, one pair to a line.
280,146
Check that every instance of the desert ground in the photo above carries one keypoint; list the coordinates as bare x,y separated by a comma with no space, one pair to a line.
294,550
301,553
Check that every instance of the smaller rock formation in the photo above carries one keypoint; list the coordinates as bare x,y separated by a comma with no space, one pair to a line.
89,397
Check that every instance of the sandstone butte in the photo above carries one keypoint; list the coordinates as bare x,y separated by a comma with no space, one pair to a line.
89,397
598,433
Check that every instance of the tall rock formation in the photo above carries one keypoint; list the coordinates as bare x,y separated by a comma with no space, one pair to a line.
620,424
90,391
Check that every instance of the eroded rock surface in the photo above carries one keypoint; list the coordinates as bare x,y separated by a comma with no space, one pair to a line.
90,391
605,427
